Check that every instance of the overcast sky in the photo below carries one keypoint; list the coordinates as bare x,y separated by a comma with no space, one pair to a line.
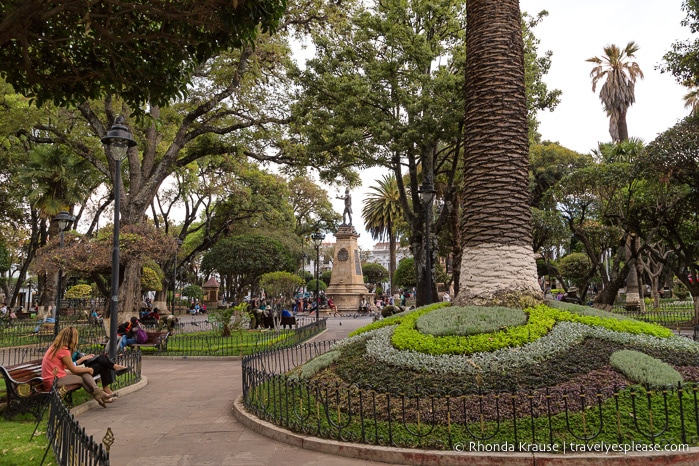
575,31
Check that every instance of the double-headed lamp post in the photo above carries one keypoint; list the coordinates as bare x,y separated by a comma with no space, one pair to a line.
117,143
427,192
317,238
62,218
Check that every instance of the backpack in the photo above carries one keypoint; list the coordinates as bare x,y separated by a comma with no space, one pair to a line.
141,335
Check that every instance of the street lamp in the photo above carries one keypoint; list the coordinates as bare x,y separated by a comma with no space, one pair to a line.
174,278
117,143
317,238
427,192
62,218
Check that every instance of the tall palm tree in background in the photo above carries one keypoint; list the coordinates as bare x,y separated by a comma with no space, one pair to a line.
382,214
617,93
497,264
56,179
691,99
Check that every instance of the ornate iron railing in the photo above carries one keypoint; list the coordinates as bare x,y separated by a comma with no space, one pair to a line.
521,420
69,442
238,344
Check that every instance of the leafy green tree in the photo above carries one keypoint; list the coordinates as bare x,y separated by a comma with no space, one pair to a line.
236,108
618,91
374,274
670,167
88,50
405,273
244,259
231,318
313,210
311,285
575,268
681,61
496,161
193,291
150,280
325,276
549,162
382,214
280,284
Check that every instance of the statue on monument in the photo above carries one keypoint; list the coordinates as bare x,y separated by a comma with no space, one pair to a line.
348,207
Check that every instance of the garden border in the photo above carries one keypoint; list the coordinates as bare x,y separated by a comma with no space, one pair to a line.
394,455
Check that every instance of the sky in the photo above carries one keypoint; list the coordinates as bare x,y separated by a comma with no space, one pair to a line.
575,31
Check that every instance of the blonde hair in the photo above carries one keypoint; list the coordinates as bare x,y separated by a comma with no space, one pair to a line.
67,337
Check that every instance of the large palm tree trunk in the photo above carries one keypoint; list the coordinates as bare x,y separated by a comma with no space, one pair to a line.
497,265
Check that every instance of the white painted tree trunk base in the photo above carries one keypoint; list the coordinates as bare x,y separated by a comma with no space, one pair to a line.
495,274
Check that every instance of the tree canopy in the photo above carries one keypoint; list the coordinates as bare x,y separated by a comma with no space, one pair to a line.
69,51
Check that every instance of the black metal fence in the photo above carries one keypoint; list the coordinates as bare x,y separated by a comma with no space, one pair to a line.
238,344
69,442
670,314
559,418
31,332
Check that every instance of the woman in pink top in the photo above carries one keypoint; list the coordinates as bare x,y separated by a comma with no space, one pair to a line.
58,358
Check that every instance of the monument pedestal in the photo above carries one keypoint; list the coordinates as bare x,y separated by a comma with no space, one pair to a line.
347,281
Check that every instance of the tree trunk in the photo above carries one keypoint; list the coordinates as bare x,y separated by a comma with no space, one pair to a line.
633,297
497,264
391,261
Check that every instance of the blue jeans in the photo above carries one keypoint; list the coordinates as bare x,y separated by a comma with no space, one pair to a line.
126,341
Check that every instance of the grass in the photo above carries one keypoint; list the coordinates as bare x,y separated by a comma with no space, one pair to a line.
211,343
631,422
16,448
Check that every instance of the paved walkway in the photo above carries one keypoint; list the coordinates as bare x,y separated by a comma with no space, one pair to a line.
183,417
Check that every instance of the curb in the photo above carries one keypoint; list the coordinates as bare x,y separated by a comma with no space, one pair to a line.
85,407
418,457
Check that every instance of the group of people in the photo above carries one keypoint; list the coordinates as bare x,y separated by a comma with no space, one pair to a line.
63,365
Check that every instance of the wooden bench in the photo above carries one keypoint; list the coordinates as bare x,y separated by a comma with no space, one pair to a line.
156,340
25,389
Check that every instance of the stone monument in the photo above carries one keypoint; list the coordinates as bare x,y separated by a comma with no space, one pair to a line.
347,281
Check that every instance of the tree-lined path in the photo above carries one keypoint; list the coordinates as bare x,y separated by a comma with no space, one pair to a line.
184,417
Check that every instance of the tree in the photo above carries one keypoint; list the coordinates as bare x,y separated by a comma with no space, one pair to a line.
681,61
244,259
575,267
280,284
374,274
496,149
70,51
91,257
670,166
382,214
236,107
313,210
405,273
617,92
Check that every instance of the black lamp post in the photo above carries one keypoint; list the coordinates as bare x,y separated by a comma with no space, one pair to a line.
427,192
62,218
317,238
117,143
174,277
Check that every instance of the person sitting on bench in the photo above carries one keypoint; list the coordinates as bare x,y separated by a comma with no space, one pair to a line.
58,359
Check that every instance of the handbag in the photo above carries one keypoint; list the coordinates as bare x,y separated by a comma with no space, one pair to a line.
141,335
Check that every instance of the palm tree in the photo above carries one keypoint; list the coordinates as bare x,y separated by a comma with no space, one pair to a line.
56,179
617,92
691,99
381,214
497,265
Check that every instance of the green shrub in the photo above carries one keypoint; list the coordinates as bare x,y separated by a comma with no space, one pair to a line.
642,368
389,310
469,320
316,365
585,310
